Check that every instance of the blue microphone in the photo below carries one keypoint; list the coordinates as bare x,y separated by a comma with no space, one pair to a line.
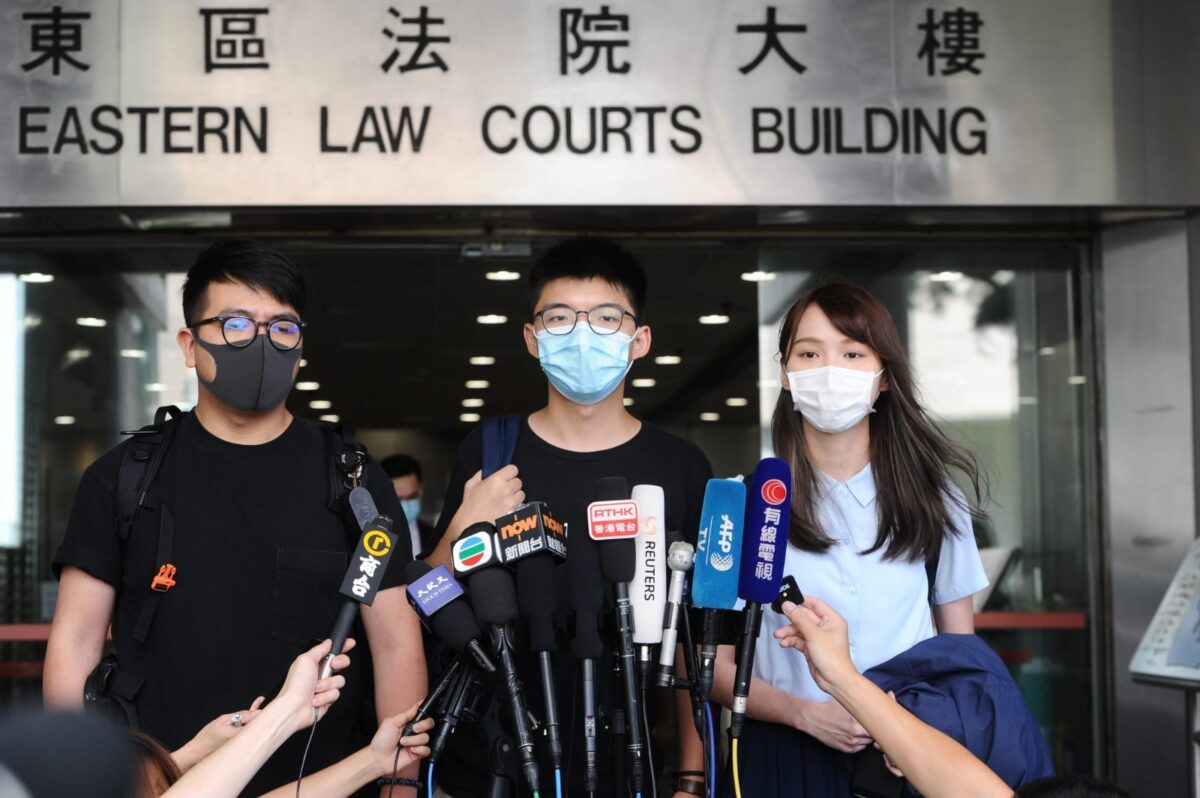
764,547
718,552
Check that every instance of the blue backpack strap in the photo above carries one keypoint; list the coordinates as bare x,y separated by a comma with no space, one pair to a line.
500,435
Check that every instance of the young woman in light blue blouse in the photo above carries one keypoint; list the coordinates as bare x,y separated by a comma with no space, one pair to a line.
873,505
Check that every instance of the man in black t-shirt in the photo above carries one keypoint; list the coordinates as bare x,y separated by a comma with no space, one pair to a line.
586,329
259,555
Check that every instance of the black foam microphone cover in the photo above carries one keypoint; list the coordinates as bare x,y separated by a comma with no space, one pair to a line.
585,594
453,623
494,596
618,560
537,597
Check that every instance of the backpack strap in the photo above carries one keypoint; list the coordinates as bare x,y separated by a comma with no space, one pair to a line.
500,435
347,464
140,466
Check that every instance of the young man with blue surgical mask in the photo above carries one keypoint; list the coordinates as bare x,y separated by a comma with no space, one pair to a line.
409,482
587,329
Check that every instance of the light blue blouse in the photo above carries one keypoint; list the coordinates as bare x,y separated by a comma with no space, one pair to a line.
885,602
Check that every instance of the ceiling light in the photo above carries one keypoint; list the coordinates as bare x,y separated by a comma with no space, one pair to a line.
1046,351
64,421
491,318
332,418
155,387
303,362
714,318
38,277
758,276
627,401
134,354
32,320
475,402
644,382
90,321
477,385
469,418
308,386
503,276
668,360
737,401
483,360
79,353
710,416
945,277
1077,379
320,404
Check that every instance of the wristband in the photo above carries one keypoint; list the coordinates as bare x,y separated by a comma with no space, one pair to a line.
690,782
399,781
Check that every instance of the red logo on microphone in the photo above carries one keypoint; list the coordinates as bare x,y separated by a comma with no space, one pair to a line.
774,492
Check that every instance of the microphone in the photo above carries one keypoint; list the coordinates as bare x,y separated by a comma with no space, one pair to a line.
534,543
585,597
437,598
679,560
361,583
764,548
494,598
647,591
718,552
613,521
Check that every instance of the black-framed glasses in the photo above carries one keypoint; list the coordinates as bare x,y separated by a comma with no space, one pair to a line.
240,331
604,319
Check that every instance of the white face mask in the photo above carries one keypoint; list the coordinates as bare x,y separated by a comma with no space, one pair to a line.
831,398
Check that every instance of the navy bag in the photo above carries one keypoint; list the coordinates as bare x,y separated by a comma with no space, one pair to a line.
958,685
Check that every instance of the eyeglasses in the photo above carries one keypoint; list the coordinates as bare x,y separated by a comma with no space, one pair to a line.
240,331
604,320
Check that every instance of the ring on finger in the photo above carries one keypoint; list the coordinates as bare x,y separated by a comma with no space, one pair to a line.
235,719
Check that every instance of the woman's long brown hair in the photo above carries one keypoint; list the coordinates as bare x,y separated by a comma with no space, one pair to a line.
911,459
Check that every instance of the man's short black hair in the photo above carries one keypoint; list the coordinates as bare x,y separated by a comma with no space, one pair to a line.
588,257
1070,787
248,263
401,465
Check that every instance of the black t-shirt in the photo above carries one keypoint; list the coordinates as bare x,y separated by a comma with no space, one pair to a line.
260,558
565,480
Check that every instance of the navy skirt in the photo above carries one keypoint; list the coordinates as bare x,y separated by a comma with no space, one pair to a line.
776,761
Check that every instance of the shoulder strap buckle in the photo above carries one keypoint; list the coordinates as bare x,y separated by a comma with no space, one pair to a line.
164,580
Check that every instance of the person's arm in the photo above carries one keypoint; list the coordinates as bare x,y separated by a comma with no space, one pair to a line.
367,764
957,617
937,766
81,620
394,635
482,500
219,731
303,699
825,720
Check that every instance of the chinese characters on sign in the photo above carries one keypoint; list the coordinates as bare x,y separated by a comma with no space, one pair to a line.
771,42
958,47
231,39
602,34
420,39
54,36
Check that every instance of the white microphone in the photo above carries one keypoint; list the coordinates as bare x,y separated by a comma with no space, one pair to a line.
647,591
680,557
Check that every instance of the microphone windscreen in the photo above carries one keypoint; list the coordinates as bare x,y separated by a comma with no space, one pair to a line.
370,561
764,544
648,590
453,622
611,489
537,598
414,570
618,560
493,596
719,545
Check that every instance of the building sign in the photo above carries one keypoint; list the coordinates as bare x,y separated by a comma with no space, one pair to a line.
425,102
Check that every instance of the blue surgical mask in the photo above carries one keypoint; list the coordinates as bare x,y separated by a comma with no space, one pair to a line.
583,366
412,510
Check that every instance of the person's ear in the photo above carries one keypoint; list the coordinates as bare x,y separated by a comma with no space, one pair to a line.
187,345
531,344
640,347
884,385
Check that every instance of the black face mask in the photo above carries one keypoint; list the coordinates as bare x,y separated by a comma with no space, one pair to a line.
252,378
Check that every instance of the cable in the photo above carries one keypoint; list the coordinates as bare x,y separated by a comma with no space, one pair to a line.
395,770
737,781
304,757
429,782
712,749
649,749
558,783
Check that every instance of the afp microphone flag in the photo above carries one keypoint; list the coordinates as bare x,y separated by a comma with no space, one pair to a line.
764,544
719,545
